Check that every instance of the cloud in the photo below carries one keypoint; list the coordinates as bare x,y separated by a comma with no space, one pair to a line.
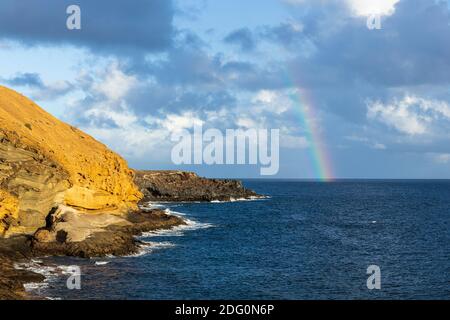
116,84
177,122
163,77
359,7
441,158
273,101
410,50
293,142
39,90
410,115
243,37
286,33
379,146
371,7
25,79
52,91
111,26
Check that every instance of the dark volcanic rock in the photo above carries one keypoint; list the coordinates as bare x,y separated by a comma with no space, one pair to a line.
15,249
187,186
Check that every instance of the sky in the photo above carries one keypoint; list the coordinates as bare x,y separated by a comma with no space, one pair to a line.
349,101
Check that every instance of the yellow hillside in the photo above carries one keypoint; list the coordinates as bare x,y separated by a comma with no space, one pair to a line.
97,177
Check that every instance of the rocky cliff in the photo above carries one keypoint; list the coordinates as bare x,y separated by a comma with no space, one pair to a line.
45,163
187,186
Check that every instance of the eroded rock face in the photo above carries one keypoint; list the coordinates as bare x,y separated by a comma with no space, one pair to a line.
187,186
30,185
45,163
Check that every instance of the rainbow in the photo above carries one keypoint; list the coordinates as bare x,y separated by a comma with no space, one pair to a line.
321,161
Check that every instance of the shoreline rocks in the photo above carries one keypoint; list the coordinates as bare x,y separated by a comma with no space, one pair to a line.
182,186
14,250
117,239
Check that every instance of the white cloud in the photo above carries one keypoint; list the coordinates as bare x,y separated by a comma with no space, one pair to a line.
135,141
246,123
114,83
273,101
52,91
379,146
122,118
265,96
411,115
366,141
371,7
358,7
442,158
178,122
293,142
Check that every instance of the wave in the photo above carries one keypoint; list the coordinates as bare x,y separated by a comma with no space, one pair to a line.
177,231
147,247
161,204
36,266
50,273
151,205
252,198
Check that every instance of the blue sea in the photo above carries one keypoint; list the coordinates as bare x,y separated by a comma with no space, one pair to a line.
308,240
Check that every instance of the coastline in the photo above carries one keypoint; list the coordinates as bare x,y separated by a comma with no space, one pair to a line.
118,238
115,240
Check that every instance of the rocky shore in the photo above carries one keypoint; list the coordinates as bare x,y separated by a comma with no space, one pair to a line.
114,239
69,232
188,187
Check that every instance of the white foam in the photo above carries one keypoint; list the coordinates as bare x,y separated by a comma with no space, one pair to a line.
177,231
151,205
66,270
35,286
173,213
252,198
147,247
49,272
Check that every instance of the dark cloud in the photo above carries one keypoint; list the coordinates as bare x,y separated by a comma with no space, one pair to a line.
243,38
348,64
107,25
25,79
40,90
286,34
410,49
188,63
153,99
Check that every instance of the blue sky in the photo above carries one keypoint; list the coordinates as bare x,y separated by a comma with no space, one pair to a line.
379,100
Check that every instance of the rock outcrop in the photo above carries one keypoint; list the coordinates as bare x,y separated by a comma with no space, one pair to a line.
45,163
105,237
187,186
12,251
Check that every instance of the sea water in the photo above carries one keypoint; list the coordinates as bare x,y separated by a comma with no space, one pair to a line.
308,240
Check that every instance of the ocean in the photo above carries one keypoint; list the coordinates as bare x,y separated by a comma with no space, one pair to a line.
307,240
